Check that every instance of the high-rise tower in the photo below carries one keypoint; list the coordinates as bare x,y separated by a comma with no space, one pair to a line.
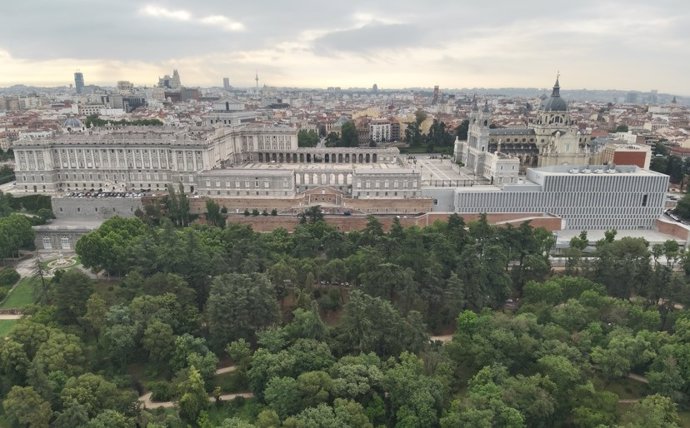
79,81
226,83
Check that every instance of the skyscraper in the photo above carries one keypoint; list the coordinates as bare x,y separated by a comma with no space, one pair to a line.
175,82
226,83
79,81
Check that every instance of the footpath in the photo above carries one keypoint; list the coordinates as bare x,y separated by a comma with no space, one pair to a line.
146,402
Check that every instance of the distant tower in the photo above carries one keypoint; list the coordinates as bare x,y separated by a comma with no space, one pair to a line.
226,83
436,95
257,82
79,81
375,88
175,83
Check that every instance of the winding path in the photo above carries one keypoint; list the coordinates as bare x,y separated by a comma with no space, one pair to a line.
146,402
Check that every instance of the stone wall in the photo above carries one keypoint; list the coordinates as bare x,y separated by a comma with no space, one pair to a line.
94,208
358,222
677,230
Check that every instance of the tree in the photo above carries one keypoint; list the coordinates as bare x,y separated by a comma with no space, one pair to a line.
92,392
281,396
239,305
213,214
111,419
159,342
61,352
95,315
373,324
349,135
70,294
26,407
193,398
621,128
307,138
416,399
15,234
461,130
653,411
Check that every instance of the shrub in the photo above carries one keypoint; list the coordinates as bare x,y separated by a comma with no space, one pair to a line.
8,277
246,213
274,212
162,391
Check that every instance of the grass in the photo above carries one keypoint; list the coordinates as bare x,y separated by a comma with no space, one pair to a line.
5,327
230,382
22,295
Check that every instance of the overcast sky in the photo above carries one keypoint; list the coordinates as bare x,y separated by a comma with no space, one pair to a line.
596,44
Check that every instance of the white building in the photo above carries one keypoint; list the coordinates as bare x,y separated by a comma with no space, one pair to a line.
380,130
596,197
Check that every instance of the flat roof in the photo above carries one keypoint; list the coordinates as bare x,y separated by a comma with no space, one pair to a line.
315,167
563,237
594,170
70,224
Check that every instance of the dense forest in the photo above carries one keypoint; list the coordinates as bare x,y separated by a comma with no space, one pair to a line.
319,328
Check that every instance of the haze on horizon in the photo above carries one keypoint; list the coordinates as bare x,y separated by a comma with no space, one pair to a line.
626,45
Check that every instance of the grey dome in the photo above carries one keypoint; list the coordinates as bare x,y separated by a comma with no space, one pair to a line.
555,102
72,123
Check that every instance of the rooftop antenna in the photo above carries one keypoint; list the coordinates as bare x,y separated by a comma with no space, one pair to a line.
257,81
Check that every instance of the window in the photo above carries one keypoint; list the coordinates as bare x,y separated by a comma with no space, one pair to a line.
644,200
64,243
47,244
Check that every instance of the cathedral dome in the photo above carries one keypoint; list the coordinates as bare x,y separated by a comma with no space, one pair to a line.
554,102
72,124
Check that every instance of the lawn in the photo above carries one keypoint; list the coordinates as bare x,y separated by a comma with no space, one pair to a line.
5,327
22,295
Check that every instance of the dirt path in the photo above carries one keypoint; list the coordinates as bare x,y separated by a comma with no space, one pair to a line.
27,268
146,402
637,377
445,338
629,401
228,369
7,317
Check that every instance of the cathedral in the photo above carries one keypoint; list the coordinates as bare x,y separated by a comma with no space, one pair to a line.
551,138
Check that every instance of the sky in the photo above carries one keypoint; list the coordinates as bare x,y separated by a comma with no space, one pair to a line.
595,44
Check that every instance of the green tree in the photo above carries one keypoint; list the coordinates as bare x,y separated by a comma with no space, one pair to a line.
95,315
653,411
349,135
159,342
111,419
93,392
26,407
15,234
70,295
307,138
213,214
239,305
372,324
193,398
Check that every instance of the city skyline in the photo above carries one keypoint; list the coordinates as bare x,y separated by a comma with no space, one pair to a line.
596,45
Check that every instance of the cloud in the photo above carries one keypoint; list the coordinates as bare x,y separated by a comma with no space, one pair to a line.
369,38
223,22
632,44
161,12
219,21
